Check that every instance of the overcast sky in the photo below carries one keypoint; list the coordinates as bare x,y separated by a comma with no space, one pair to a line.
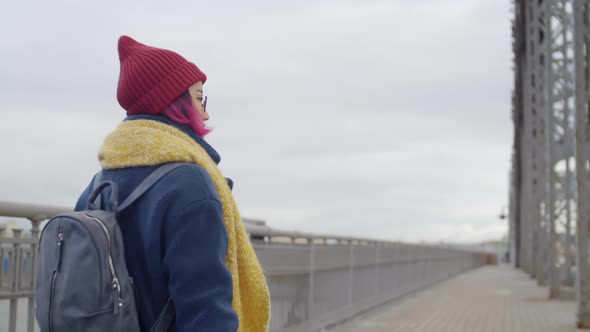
386,119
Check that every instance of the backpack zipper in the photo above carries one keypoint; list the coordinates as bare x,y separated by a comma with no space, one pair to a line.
135,295
52,294
116,284
60,240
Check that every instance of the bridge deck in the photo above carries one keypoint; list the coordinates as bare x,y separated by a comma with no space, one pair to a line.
490,299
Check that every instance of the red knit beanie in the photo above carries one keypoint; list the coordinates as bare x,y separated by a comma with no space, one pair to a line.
151,78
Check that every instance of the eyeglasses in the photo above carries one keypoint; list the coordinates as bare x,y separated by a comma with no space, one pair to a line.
202,99
204,102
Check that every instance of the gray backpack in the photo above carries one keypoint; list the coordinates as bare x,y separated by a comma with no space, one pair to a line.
82,282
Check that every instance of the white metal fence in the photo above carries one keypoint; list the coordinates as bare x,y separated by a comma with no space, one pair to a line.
313,286
314,280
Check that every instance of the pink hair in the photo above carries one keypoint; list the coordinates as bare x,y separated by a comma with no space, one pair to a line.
182,111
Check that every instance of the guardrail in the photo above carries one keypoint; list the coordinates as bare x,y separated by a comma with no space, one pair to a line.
315,280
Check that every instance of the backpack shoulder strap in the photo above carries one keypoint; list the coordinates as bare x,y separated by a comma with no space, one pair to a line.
166,318
147,183
97,179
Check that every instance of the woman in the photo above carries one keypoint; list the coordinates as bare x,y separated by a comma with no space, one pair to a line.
183,238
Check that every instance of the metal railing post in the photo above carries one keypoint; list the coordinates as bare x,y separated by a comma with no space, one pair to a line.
16,280
310,300
376,269
31,300
350,272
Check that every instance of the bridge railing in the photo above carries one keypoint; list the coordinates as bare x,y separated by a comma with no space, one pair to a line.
315,280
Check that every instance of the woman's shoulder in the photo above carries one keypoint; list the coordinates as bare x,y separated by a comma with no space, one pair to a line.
191,180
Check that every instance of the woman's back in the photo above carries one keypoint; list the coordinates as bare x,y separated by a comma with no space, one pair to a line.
176,226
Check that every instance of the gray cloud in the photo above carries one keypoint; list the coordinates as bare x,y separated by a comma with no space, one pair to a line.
386,119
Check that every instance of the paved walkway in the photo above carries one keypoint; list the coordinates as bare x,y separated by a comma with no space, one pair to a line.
490,299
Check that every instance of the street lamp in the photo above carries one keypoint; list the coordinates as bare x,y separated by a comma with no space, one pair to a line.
503,214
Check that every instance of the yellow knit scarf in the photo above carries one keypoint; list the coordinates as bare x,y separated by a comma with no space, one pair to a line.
147,142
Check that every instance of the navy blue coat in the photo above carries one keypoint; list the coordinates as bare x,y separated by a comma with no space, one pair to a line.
176,244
